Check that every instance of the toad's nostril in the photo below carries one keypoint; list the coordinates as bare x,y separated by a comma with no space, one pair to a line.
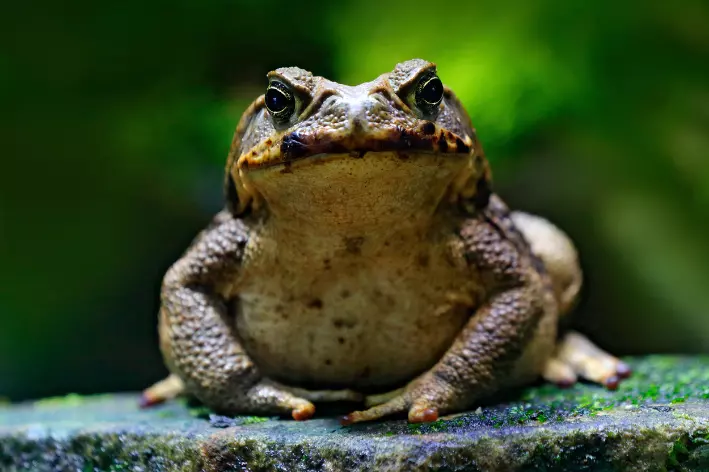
358,125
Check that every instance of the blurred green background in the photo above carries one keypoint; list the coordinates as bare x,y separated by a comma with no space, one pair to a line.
117,117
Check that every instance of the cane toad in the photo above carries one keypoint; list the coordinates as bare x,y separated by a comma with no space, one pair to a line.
362,255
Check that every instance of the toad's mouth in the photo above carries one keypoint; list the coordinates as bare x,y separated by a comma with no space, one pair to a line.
295,145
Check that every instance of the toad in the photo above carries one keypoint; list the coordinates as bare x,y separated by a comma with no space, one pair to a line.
362,255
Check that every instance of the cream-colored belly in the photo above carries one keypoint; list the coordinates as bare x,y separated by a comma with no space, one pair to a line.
368,320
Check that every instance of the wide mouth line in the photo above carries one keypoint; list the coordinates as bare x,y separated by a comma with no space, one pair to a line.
295,147
323,157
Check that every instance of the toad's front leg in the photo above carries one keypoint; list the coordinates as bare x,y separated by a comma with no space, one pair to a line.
485,353
198,339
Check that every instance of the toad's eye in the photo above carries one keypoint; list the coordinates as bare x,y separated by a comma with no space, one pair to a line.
429,93
280,101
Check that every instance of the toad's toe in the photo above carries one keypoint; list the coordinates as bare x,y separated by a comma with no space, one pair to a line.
396,405
576,355
419,414
304,411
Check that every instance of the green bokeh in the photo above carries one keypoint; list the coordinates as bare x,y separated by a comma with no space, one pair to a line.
117,119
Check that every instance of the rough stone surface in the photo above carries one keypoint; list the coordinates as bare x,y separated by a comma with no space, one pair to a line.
657,421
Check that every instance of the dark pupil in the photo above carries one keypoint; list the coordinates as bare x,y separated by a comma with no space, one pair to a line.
276,100
432,91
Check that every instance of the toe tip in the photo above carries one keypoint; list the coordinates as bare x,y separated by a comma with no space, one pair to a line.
146,400
612,382
426,415
623,370
303,413
347,420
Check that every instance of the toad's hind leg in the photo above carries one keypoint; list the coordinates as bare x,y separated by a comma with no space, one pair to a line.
576,356
558,253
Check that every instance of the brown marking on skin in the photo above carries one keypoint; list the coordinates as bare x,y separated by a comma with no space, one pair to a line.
443,145
345,293
292,147
387,299
422,260
328,362
280,309
353,245
404,138
315,303
326,264
340,323
269,142
461,146
428,128
341,340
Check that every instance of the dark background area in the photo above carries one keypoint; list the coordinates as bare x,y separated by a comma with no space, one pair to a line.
117,117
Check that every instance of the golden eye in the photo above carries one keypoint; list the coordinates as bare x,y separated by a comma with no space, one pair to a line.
429,93
280,101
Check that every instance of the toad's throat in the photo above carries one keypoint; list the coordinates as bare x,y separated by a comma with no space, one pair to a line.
333,193
296,145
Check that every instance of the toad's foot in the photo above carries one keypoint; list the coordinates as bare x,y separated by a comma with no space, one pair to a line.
172,387
576,356
264,394
418,398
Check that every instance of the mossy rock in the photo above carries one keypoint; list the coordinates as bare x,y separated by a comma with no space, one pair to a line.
656,421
